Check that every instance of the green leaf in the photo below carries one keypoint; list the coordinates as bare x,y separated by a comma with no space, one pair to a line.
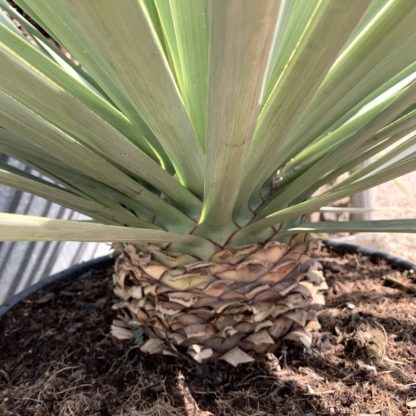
48,47
386,46
241,36
15,227
228,120
307,66
357,209
70,179
57,106
373,9
185,27
401,151
381,115
255,231
22,121
293,18
376,144
386,226
135,74
6,21
71,86
30,11
24,182
323,143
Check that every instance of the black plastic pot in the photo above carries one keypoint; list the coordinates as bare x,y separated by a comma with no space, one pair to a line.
79,271
372,254
85,270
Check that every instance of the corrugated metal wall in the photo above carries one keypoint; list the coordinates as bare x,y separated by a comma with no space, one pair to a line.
23,264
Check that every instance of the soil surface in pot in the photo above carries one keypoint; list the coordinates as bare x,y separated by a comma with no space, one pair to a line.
58,358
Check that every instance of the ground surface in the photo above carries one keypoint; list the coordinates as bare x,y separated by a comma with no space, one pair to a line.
57,357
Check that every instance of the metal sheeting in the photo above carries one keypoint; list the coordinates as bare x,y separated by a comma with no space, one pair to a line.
25,263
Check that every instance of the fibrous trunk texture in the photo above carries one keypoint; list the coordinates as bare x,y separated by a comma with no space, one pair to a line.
240,301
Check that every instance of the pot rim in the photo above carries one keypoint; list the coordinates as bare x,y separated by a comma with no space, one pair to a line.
371,253
84,269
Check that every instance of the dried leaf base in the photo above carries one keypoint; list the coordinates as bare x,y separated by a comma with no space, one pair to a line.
238,302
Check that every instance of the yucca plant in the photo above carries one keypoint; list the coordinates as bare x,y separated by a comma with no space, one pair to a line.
199,134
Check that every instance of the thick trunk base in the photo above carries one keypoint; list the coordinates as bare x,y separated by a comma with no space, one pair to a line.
241,301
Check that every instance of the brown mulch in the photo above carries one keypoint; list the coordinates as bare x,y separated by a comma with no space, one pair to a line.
57,357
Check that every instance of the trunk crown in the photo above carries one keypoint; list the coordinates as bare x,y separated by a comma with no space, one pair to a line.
240,301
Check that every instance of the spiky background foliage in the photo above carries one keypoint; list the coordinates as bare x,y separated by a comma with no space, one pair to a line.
199,125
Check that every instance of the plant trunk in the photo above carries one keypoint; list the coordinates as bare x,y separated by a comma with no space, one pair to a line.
241,301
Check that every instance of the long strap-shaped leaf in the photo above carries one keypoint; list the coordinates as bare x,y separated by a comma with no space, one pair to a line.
362,155
26,123
49,48
13,145
24,182
15,227
140,131
241,35
123,50
72,180
185,27
372,11
255,232
81,92
293,18
377,226
55,104
394,62
388,157
311,59
393,132
344,152
374,57
30,11
6,21
321,143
